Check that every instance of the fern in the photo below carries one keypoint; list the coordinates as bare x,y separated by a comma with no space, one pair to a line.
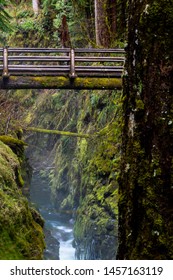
46,4
4,19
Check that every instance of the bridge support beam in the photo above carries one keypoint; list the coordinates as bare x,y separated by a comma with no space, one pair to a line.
60,82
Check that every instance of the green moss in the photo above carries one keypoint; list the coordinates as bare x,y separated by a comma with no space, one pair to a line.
139,104
21,236
63,133
98,83
97,213
62,82
8,248
16,145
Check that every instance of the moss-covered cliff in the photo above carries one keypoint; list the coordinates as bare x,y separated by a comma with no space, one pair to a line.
146,192
21,235
96,165
83,172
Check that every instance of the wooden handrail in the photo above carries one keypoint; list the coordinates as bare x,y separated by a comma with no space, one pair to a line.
61,68
64,50
78,62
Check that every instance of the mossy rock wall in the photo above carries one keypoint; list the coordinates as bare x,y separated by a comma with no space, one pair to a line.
146,193
82,172
84,182
21,234
96,226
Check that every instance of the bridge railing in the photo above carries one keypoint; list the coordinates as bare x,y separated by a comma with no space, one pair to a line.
61,62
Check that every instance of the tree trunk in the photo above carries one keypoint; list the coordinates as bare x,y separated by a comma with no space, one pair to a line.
146,180
105,22
35,5
58,132
64,33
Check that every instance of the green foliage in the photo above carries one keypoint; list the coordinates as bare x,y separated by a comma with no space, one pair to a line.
28,29
47,4
4,20
64,8
29,25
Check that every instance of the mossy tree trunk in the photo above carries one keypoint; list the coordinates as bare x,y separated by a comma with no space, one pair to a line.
105,22
146,180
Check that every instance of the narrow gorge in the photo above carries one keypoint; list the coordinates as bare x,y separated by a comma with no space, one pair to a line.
104,190
69,165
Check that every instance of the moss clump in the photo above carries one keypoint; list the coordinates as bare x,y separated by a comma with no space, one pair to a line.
16,145
21,235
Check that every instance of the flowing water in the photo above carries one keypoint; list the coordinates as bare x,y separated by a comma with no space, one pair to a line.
58,227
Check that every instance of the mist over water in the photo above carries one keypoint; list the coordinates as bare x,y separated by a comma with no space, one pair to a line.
58,227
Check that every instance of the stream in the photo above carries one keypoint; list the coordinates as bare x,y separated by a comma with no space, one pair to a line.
58,227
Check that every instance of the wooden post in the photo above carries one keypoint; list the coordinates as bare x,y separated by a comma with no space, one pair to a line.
72,64
5,73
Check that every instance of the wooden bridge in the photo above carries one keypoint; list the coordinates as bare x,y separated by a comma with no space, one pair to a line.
53,68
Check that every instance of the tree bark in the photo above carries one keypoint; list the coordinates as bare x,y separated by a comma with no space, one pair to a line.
35,5
146,181
64,33
105,22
